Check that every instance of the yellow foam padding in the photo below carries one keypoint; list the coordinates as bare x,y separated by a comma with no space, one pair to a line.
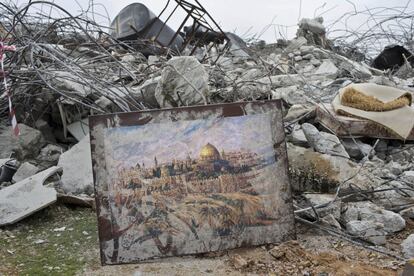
378,97
353,98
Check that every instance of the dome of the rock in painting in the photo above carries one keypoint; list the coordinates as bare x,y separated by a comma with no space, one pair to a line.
209,152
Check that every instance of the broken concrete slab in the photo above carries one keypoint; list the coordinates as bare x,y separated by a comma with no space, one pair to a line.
77,168
79,129
24,171
26,197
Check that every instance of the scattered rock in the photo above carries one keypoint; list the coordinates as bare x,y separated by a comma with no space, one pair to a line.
146,91
408,213
239,262
331,221
408,247
298,110
79,129
24,171
298,58
395,168
297,137
367,230
333,208
46,130
153,60
295,44
323,142
355,69
367,211
408,177
49,156
27,145
307,49
327,68
40,241
61,229
356,149
290,94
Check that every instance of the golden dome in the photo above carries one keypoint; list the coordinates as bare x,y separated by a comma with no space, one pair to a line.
209,152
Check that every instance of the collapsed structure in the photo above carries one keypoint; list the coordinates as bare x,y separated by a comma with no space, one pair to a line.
352,175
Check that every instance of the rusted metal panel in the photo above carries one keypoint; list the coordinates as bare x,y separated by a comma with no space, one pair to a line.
343,126
190,180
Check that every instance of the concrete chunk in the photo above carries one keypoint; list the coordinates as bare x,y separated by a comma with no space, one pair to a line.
26,197
77,168
367,211
408,247
323,142
24,171
184,81
27,145
327,68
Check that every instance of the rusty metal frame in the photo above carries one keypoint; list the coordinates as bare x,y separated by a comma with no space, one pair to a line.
200,17
273,186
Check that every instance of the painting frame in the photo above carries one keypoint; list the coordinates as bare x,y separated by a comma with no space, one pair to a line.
273,224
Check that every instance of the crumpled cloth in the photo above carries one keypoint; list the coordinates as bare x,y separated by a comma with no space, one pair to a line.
399,120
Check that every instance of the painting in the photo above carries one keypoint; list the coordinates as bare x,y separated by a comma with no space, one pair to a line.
190,180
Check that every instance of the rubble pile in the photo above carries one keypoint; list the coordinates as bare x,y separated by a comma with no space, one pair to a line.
62,72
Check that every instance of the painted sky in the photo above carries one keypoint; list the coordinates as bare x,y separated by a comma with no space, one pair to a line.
167,141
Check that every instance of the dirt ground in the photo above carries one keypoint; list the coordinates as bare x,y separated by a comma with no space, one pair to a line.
63,241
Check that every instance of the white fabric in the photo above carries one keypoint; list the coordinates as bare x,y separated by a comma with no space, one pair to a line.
400,121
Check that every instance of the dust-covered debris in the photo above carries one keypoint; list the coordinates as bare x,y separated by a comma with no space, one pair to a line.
26,197
352,178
